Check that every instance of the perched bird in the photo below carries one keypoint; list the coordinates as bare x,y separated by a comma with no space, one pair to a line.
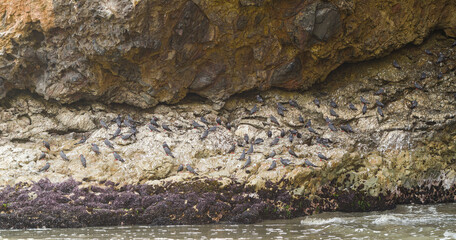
380,104
380,111
246,138
250,149
290,137
218,120
83,160
180,168
308,123
380,91
47,145
247,163
118,157
332,127
293,131
333,104
165,145
108,143
258,141
298,135
103,124
228,126
441,58
126,136
116,133
275,141
280,106
204,135
154,122
427,51
440,75
346,128
312,130
133,130
254,109
418,86
168,152
191,170
130,119
364,109
274,120
282,133
280,112
327,120
396,65
83,140
42,155
153,128
213,129
352,107
204,120
309,163
317,102
333,113
413,104
322,157
63,156
232,148
293,103
292,153
127,123
301,119
271,154
118,121
95,148
196,124
259,98
324,141
242,157
45,167
272,166
423,76
285,162
166,127
364,101
269,133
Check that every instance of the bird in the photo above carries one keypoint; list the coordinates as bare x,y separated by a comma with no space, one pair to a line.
293,103
168,151
423,76
204,120
293,131
127,123
308,124
118,157
242,157
191,170
346,128
232,148
196,124
332,127
118,121
246,138
63,156
269,133
290,137
45,167
352,107
418,86
108,143
441,58
103,124
322,157
271,154
218,120
274,142
247,163
396,65
285,162
292,153
364,101
213,129
250,149
380,91
312,130
42,155
133,130
282,133
301,119
333,104
280,112
130,119
413,104
166,127
83,139
274,120
280,106
272,166
116,133
253,110
204,135
380,104
83,160
126,136
95,148
180,168
153,121
327,120
258,141
298,135
259,98
380,111
440,75
333,113
427,51
324,141
153,128
317,102
228,126
364,109
47,145
309,163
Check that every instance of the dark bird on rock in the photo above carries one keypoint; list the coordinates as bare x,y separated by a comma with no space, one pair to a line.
324,141
165,145
232,148
413,104
116,133
317,102
45,167
269,133
204,135
118,121
246,138
191,170
333,104
272,166
295,104
285,162
271,154
108,143
242,157
280,112
47,145
168,151
63,156
352,107
127,123
83,160
83,140
213,129
247,163
126,136
312,130
274,120
154,122
254,109
204,120
282,133
259,98
118,157
308,123
153,128
250,149
298,135
441,58
346,128
380,91
332,127
218,120
196,124
440,75
280,106
275,141
380,104
380,111
103,124
290,137
427,51
130,119
228,126
301,119
293,131
166,127
396,65
180,168
333,113
322,157
328,120
364,101
418,86
423,76
258,141
95,148
309,163
364,109
292,153
133,130
42,155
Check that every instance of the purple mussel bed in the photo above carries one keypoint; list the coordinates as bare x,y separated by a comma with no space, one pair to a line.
203,201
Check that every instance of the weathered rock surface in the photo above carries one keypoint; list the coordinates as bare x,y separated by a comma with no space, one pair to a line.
146,52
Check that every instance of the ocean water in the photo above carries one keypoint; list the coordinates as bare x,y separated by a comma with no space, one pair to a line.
405,222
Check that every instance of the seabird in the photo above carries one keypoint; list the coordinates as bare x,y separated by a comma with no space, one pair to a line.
322,157
285,162
333,104
246,138
440,75
83,160
168,151
45,167
203,120
280,106
423,76
272,166
274,120
242,157
195,124
118,121
396,65
153,128
380,91
103,124
258,141
269,133
293,103
218,120
47,145
204,135
282,133
126,136
250,149
332,127
290,137
309,163
180,168
232,148
312,130
154,122
413,104
380,104
259,98
247,163
333,113
292,153
346,128
64,157
364,101
95,148
317,102
108,143
308,124
271,154
116,133
213,129
166,127
191,170
83,139
228,126
364,109
441,58
280,112
118,157
428,52
42,156
352,107
274,142
380,111
254,109
418,86
301,120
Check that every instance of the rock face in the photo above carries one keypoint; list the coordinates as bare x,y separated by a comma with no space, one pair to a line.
146,52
